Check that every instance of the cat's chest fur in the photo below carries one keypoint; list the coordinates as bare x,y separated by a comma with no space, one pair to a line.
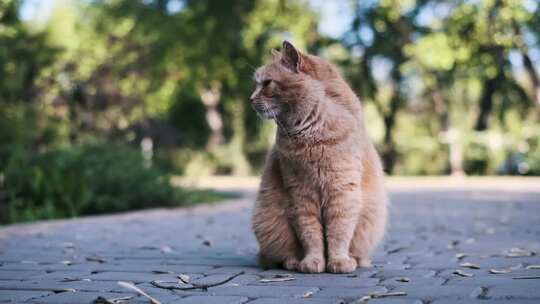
323,167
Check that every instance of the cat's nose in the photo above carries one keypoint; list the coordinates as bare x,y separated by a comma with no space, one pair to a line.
252,98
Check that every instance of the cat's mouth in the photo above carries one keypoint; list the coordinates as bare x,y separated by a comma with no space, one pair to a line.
265,111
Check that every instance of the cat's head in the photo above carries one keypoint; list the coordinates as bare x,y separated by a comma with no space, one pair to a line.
286,87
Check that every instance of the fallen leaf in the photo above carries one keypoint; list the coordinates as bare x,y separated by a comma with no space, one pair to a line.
469,265
307,294
403,279
276,280
453,244
203,287
131,286
364,299
96,258
519,252
460,255
387,294
65,290
102,300
75,280
533,267
500,271
184,278
462,274
396,250
161,272
207,243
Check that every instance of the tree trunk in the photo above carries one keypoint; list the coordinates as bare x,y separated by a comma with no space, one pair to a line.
450,135
527,63
529,67
490,87
210,97
486,103
389,153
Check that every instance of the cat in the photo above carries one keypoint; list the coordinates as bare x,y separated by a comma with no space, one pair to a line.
321,204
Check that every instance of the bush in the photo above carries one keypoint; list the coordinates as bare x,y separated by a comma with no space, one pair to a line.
90,179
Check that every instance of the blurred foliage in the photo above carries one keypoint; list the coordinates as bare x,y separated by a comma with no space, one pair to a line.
449,87
89,179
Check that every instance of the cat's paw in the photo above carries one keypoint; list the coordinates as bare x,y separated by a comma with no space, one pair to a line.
291,264
341,265
311,264
363,262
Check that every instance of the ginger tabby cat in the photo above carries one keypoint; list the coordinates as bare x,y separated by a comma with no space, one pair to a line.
321,203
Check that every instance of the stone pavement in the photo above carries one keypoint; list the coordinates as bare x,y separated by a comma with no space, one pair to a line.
445,244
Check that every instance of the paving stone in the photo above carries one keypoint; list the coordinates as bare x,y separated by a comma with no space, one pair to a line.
515,290
18,296
396,282
236,269
87,298
347,293
470,301
325,281
10,275
216,278
264,291
61,275
437,292
427,230
125,267
58,286
396,300
211,300
410,273
136,277
296,301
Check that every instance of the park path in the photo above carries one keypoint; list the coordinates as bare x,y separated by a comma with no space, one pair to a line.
465,242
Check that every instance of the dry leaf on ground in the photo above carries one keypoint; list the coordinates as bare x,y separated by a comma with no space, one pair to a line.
462,273
460,255
96,258
307,294
132,286
271,280
469,265
184,278
102,300
387,294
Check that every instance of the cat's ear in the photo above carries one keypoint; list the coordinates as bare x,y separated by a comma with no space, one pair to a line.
290,57
276,55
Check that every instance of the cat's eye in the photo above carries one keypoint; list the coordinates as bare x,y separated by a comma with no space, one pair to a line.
266,82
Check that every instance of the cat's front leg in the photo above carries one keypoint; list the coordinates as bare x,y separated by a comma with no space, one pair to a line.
340,217
310,233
